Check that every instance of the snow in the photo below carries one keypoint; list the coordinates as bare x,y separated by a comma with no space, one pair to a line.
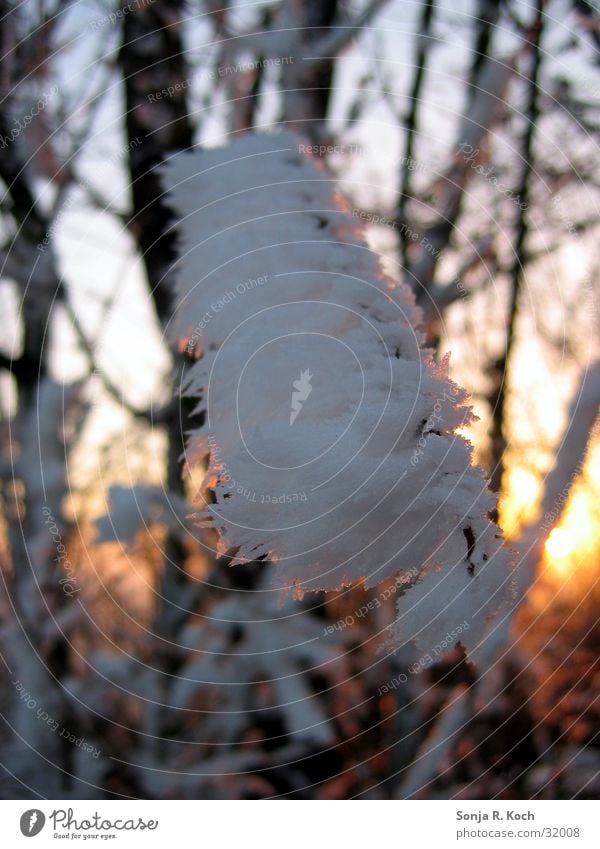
371,480
133,509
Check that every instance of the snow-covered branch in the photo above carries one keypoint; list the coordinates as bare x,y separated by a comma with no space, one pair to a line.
284,303
568,465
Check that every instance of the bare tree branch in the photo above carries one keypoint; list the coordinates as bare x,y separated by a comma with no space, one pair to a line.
331,44
475,125
410,122
112,389
499,397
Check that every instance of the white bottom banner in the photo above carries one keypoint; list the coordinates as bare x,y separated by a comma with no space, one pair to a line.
351,824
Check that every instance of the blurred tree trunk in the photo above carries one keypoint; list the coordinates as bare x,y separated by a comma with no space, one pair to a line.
500,371
157,121
306,85
155,78
484,98
423,46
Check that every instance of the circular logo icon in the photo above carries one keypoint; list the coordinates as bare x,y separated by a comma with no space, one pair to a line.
32,822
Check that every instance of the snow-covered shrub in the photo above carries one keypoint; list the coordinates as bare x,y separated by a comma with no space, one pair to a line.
330,432
133,509
270,646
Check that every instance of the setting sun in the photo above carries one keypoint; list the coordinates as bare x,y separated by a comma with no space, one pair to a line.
560,544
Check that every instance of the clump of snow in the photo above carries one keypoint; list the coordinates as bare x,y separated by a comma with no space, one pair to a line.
330,432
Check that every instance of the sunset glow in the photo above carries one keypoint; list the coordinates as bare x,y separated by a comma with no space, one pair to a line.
573,545
560,544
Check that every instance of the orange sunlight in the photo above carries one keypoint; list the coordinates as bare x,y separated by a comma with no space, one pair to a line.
573,545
